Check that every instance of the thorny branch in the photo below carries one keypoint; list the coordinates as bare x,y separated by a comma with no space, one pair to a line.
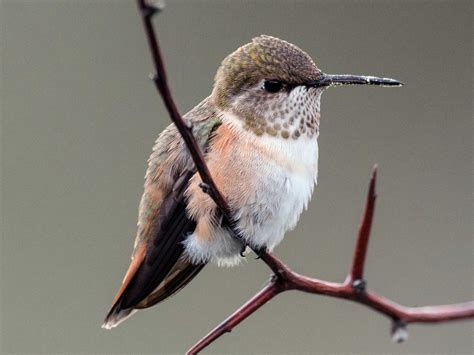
283,278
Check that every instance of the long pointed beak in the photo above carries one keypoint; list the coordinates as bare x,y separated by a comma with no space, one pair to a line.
348,79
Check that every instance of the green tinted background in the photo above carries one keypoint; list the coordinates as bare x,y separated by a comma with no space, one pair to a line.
79,118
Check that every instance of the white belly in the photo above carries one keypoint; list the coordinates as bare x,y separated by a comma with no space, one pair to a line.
284,188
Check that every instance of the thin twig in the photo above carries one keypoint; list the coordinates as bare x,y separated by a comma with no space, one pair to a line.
284,279
356,274
147,10
250,307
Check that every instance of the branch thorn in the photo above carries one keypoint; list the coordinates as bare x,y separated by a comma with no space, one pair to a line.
154,76
151,7
359,286
399,331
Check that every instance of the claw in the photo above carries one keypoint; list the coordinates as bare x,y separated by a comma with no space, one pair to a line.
242,251
260,251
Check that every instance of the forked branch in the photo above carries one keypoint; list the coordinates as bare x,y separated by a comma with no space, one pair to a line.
283,278
353,288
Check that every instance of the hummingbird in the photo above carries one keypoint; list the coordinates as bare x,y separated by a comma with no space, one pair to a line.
258,130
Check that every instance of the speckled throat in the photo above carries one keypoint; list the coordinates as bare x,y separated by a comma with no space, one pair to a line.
287,115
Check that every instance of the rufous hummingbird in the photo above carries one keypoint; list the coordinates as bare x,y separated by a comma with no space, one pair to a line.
259,130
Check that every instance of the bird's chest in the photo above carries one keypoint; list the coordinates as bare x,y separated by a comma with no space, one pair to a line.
281,174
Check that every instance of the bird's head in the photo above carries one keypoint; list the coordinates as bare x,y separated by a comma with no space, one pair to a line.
275,87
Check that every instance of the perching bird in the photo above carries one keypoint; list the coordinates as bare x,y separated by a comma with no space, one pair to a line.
259,130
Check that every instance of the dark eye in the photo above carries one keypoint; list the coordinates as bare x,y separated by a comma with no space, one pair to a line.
272,86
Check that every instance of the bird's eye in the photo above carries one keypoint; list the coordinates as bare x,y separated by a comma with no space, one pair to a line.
272,86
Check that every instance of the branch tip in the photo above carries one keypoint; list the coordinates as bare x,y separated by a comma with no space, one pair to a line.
373,183
375,169
362,243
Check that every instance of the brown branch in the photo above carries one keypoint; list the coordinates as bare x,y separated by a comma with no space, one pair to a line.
147,10
354,289
357,270
284,279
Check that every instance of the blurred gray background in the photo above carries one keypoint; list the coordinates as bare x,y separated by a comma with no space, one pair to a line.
79,118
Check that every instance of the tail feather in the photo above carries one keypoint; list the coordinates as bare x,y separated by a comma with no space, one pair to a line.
117,316
179,276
